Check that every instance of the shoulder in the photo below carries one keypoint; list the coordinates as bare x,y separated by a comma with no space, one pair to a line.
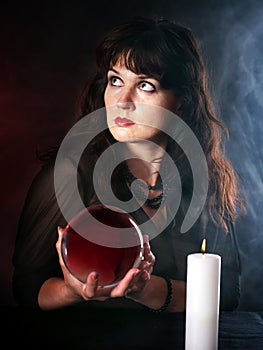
43,181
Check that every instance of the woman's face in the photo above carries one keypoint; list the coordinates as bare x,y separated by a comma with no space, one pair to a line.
131,99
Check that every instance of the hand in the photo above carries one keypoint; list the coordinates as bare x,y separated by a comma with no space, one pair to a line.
142,277
134,281
81,291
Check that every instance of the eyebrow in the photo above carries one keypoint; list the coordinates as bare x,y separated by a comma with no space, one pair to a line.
141,76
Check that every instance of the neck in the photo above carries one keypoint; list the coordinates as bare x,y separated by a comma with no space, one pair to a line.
145,165
144,160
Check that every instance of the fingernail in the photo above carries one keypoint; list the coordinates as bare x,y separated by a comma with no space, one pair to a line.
145,238
145,275
95,276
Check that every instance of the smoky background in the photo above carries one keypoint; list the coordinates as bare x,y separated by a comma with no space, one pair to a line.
46,57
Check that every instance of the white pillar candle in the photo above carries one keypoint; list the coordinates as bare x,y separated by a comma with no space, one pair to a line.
202,301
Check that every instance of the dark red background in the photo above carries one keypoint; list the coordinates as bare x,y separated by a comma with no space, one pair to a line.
46,55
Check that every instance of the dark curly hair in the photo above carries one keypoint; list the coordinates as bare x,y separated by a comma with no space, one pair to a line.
169,52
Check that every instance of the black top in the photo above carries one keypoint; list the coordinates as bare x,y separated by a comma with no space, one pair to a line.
35,257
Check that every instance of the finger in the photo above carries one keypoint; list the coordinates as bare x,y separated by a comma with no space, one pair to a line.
61,233
145,265
145,238
125,283
144,276
150,257
91,286
135,290
147,253
146,245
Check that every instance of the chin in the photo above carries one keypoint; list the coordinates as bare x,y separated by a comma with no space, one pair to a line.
121,135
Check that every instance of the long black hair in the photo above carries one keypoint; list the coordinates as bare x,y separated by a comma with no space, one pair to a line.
169,52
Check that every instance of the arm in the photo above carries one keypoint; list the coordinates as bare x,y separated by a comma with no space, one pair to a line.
39,277
138,285
59,292
35,257
155,293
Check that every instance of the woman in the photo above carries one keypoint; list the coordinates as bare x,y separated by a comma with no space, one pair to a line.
140,63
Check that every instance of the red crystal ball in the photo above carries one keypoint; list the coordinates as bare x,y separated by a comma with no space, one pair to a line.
109,249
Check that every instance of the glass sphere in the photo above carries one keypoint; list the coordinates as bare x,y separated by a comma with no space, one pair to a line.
104,239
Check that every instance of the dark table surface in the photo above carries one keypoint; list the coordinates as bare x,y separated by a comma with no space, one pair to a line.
113,328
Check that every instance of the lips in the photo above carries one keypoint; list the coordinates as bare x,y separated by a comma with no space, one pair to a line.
123,122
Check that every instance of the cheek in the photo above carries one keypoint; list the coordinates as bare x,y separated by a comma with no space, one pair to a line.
108,99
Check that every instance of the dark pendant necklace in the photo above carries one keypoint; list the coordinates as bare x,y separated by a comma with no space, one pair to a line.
139,186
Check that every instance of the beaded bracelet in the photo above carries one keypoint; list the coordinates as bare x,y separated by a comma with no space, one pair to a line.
168,297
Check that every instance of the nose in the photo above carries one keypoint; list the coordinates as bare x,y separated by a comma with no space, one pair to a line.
126,100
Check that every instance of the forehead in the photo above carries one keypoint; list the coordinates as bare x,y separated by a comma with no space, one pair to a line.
121,67
124,62
139,62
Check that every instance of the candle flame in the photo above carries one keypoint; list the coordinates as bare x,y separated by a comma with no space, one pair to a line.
203,247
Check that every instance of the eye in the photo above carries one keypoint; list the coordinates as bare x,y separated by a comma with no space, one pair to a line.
146,86
115,81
